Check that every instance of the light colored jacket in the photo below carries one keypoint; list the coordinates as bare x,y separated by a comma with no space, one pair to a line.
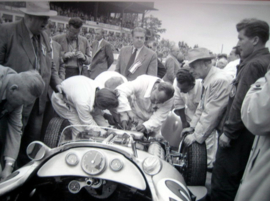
215,98
255,114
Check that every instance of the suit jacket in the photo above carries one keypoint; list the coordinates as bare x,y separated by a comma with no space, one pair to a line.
102,58
83,46
10,122
146,58
17,52
172,66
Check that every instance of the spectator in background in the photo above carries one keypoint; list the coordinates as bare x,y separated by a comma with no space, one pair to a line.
161,68
137,59
208,115
75,49
187,96
221,63
234,60
180,58
24,46
255,116
16,90
236,141
172,65
102,55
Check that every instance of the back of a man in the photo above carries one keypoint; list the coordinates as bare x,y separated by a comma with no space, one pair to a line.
236,141
137,60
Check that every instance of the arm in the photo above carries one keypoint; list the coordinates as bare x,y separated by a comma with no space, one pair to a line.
55,79
109,55
117,67
159,116
84,114
87,53
234,122
211,113
152,68
181,113
3,44
256,107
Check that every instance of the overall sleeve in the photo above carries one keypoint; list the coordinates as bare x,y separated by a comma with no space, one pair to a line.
256,107
14,133
109,55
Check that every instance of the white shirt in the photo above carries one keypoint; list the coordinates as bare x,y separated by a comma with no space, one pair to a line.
230,68
106,75
190,100
80,93
141,89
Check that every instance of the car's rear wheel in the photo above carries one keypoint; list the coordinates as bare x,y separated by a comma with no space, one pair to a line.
53,131
196,159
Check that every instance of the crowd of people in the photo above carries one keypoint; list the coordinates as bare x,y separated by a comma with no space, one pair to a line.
222,101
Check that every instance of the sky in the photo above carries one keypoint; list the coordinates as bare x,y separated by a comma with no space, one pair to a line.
210,24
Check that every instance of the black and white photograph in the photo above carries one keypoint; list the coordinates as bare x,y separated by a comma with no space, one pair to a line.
135,100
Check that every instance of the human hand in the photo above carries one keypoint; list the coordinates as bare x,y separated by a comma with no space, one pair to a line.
80,55
69,55
190,139
6,172
132,117
141,128
224,141
125,125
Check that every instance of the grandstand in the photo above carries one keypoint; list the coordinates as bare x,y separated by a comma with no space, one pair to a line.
116,18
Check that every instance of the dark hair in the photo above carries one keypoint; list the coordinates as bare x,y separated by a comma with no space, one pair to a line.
76,22
184,76
219,56
254,27
167,88
107,98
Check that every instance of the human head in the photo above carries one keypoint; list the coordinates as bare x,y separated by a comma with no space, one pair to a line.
49,28
152,45
106,99
24,88
221,63
252,35
113,82
174,51
234,54
36,15
200,62
185,80
74,28
138,36
99,34
161,92
180,57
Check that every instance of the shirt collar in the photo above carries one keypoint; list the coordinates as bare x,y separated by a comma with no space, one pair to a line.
138,49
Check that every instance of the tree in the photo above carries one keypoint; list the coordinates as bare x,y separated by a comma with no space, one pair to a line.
154,25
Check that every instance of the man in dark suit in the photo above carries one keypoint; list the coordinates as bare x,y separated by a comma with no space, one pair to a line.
75,49
25,46
15,91
137,59
102,55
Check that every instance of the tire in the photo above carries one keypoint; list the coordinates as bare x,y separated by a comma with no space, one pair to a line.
195,174
53,131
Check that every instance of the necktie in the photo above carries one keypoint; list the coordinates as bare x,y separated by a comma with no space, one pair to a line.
37,52
131,61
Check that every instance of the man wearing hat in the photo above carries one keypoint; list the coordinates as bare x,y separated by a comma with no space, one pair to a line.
215,96
24,46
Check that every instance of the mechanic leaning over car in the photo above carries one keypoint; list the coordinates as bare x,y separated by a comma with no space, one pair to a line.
16,91
81,102
216,88
151,102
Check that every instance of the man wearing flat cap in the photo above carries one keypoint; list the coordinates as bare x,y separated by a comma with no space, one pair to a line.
24,46
215,96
